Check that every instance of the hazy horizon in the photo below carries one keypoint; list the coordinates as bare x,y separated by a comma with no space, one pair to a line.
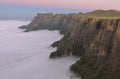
25,9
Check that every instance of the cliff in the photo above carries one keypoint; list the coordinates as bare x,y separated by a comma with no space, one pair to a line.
98,43
95,40
48,21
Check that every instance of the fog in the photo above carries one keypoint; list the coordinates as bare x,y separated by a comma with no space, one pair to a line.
26,55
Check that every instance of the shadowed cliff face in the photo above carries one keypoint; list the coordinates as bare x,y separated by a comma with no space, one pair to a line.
96,40
99,46
48,21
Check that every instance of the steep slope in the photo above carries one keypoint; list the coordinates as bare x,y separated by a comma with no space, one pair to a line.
48,21
100,51
95,40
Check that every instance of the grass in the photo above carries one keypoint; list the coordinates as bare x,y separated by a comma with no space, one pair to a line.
102,14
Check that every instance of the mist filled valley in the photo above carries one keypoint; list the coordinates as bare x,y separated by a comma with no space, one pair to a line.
25,55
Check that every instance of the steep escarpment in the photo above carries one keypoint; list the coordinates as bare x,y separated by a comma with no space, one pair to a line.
82,34
101,54
48,21
95,40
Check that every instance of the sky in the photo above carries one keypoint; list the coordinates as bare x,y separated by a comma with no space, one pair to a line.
29,8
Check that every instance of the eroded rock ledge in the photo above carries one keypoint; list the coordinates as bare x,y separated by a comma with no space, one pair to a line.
95,40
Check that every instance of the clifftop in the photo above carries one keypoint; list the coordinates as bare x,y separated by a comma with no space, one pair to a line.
104,14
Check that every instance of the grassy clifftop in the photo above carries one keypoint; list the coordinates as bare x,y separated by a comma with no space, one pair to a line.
106,14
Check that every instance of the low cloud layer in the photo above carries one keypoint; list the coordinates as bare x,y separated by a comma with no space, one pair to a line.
26,55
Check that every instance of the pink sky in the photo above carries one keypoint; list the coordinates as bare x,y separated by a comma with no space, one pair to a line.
71,4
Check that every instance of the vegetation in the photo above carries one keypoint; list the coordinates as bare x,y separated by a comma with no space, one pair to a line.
103,14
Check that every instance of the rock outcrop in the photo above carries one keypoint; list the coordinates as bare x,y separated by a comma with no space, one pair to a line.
47,21
99,44
95,40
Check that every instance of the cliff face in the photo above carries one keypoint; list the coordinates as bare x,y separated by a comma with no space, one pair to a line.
48,21
98,43
95,40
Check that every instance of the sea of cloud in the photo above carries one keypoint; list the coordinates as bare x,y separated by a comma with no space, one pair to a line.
26,55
